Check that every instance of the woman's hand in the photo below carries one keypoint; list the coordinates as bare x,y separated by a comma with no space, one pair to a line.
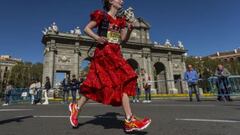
130,26
101,40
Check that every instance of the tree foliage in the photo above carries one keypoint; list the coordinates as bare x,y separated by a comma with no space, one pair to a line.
206,67
23,73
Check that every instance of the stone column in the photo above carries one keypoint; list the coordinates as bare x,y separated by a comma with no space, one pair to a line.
144,61
45,62
147,65
170,78
150,73
81,59
184,84
51,61
143,65
142,36
158,84
147,36
139,61
76,60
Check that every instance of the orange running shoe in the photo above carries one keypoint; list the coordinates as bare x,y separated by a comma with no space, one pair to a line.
74,114
136,124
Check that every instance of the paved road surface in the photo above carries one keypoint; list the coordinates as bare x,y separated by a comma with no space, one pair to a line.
169,117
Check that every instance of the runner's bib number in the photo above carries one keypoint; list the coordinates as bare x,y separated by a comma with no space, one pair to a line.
113,37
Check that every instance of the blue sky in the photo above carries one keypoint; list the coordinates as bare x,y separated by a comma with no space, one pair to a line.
204,26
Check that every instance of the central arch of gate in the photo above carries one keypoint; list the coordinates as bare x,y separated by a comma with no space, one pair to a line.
165,64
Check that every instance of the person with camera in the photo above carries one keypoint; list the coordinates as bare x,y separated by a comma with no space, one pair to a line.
222,83
147,86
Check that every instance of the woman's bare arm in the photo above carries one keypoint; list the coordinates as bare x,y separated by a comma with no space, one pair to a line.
88,30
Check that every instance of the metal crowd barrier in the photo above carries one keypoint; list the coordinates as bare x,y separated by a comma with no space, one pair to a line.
19,95
234,82
22,95
210,85
232,85
181,82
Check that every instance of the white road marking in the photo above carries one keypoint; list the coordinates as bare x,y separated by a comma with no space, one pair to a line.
181,105
13,110
209,120
83,117
55,104
94,103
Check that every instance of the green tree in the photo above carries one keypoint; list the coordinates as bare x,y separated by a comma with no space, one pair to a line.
23,73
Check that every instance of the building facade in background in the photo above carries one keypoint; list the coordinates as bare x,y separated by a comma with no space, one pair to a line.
227,56
6,64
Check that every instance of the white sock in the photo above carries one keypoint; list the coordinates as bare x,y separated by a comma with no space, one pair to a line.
128,117
78,107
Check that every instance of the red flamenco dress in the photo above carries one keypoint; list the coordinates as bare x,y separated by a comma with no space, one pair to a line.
109,75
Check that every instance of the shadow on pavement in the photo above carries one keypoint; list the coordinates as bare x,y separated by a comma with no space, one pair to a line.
110,121
16,119
137,133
